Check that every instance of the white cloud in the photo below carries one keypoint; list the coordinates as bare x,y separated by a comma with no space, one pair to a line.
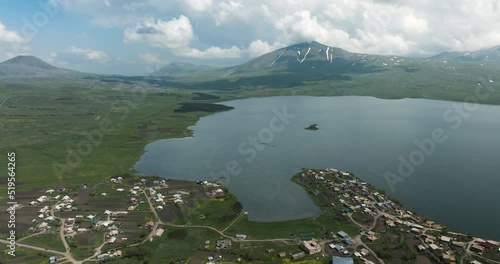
213,52
400,27
415,25
149,58
89,54
176,33
10,36
226,11
259,47
199,5
50,58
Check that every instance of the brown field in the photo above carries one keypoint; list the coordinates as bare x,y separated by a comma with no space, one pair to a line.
86,238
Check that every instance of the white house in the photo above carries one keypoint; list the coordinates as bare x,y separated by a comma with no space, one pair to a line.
42,199
111,240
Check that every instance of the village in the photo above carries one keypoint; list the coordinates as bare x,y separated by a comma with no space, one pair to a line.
80,224
388,232
93,224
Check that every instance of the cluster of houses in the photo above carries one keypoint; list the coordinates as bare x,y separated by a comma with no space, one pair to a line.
44,215
354,196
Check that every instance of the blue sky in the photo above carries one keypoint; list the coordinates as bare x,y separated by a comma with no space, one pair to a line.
137,36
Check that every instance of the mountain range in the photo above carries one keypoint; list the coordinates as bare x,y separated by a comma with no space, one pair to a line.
290,66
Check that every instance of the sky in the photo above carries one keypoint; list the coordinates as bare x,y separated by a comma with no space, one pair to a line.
135,37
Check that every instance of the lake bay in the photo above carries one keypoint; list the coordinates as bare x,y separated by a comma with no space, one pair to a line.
262,143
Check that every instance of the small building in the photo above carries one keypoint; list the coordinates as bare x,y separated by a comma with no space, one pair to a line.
415,230
476,248
241,236
445,239
340,260
298,255
282,254
342,234
42,199
486,245
52,259
420,248
434,247
111,240
339,248
458,244
102,256
348,241
159,232
311,246
150,224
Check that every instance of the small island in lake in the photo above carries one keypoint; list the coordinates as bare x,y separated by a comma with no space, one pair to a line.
312,127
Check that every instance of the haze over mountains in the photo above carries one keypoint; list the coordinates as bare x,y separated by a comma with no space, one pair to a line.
31,67
313,61
316,58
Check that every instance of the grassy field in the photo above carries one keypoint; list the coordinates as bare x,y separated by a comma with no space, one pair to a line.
50,241
325,223
26,256
88,135
216,212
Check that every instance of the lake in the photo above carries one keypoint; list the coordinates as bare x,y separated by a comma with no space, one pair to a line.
447,154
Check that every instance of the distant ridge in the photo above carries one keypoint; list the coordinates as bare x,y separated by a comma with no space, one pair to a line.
179,69
29,61
31,67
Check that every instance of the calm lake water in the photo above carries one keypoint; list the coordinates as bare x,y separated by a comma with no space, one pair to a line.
457,184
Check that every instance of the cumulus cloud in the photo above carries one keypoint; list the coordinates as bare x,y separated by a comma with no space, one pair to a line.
213,52
400,27
149,58
199,5
10,36
225,11
175,33
89,54
259,47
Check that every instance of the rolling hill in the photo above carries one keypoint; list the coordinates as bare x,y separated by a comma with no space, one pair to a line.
488,55
31,67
